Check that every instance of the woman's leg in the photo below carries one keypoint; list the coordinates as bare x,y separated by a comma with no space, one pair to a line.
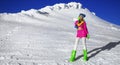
84,43
85,58
76,43
73,54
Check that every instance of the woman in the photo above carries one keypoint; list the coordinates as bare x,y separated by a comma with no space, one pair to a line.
82,33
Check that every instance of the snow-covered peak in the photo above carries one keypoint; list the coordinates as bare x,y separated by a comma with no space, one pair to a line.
75,5
47,9
60,6
29,11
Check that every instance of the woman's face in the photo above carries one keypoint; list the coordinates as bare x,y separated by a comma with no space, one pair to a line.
81,17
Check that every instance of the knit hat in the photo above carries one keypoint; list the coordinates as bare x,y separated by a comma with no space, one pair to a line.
83,15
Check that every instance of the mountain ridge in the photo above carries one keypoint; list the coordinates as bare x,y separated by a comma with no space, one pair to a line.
49,10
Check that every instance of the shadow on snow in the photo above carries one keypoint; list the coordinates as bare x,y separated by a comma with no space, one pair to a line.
108,47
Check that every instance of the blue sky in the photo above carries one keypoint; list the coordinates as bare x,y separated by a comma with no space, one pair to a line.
106,9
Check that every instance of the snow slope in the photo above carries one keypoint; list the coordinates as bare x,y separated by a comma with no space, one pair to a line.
46,37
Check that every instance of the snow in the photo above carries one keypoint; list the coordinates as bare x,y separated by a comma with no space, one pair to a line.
46,37
93,13
71,5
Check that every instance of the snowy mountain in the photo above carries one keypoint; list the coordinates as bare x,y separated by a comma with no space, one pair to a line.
46,37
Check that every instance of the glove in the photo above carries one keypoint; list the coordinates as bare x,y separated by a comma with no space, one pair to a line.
88,36
76,26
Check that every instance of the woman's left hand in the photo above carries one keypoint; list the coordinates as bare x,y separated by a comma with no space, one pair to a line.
88,36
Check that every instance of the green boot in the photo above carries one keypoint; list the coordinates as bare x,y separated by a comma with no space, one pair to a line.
85,58
73,54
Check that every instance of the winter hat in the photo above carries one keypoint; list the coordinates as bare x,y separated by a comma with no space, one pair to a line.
83,15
